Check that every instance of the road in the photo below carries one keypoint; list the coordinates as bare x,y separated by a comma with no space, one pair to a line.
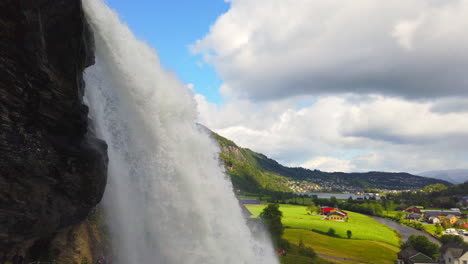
405,231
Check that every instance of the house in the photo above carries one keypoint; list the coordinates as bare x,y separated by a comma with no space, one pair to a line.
433,220
452,219
454,254
412,256
464,201
337,215
413,216
414,208
326,210
462,224
440,214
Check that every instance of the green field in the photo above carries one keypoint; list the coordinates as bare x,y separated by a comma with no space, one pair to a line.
430,229
361,226
361,250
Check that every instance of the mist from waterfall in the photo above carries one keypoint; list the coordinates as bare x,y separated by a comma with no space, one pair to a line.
168,200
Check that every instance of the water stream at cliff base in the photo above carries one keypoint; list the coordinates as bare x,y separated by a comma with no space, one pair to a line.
168,200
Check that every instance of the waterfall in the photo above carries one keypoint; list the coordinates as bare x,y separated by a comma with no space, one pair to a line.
168,200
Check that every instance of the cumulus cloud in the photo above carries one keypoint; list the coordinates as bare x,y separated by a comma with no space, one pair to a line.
337,134
451,105
329,164
270,49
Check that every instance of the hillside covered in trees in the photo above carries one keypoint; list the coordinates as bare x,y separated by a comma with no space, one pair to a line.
255,172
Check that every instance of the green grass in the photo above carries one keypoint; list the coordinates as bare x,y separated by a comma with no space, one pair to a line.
430,229
361,250
361,226
294,257
394,213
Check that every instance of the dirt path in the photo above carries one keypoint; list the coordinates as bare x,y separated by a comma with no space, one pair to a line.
338,258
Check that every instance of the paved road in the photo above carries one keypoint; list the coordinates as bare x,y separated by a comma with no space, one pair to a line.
405,231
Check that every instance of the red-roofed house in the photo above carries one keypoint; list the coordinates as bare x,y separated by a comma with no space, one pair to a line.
337,215
326,210
414,209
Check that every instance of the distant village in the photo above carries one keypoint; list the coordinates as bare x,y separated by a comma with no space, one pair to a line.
325,186
445,218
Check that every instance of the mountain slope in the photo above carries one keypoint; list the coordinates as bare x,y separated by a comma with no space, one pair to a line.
246,172
453,176
254,172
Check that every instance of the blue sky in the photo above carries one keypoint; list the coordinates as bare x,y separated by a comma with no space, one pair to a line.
170,27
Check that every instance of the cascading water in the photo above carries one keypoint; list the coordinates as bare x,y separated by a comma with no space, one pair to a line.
168,200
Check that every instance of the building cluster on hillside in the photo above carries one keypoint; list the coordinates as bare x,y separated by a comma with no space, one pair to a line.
450,253
321,185
305,187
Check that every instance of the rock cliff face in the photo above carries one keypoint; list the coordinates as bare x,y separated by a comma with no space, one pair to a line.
52,170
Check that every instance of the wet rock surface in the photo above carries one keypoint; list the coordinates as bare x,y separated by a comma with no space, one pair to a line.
52,170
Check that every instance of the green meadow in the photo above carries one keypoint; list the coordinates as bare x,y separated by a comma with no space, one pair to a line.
366,251
361,226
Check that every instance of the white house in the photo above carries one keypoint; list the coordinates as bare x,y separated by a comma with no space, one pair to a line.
454,254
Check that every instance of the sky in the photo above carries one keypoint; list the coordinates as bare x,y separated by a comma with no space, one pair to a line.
338,85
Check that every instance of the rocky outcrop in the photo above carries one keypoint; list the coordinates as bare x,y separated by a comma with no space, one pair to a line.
52,171
81,243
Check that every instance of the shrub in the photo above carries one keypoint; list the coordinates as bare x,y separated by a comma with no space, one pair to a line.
306,251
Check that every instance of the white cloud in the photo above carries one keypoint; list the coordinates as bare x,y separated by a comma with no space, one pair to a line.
190,86
405,30
329,164
335,133
269,49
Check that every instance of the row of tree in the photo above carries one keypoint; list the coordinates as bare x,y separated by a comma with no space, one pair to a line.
423,245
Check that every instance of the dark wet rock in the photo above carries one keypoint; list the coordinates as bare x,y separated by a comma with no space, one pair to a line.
52,171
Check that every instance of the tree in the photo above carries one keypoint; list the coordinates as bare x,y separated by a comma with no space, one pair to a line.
306,251
438,229
312,208
390,205
271,216
445,239
331,232
421,244
349,233
399,216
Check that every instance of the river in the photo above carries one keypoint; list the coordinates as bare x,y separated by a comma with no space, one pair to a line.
405,231
342,196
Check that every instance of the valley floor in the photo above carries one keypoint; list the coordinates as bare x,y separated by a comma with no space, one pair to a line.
371,241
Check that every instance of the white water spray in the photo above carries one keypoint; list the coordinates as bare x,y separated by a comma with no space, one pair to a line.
168,200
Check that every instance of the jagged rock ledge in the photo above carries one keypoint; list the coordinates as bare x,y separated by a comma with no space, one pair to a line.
52,170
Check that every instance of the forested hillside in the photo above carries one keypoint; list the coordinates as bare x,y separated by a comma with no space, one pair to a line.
254,172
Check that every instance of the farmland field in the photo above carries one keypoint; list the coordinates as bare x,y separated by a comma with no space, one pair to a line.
361,226
361,250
